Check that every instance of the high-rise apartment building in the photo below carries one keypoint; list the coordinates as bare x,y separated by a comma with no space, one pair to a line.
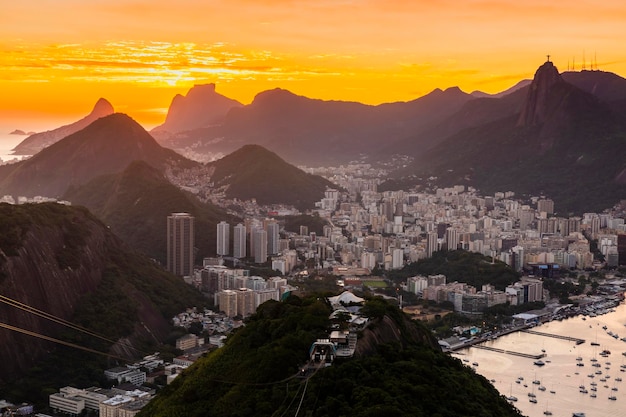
239,241
180,243
452,239
621,249
272,238
223,238
432,244
546,206
227,302
259,242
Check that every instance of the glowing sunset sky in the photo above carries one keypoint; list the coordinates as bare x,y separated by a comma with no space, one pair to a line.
57,57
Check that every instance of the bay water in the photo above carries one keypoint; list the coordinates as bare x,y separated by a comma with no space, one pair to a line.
561,376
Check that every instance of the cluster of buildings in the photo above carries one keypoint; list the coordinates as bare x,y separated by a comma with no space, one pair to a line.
216,325
236,293
369,229
389,229
467,299
114,402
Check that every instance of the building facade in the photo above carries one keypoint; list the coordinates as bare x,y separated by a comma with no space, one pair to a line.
180,244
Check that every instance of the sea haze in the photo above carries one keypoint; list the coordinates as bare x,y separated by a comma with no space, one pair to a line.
7,143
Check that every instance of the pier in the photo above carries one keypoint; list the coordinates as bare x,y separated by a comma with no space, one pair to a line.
511,352
556,336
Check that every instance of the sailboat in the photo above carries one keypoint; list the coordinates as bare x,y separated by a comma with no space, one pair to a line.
547,412
532,397
511,397
596,342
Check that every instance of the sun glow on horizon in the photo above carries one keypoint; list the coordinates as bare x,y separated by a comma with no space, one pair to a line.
139,54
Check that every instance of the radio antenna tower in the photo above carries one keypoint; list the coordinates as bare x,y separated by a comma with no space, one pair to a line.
584,60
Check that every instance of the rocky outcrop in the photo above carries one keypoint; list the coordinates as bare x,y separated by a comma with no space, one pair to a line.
201,107
388,330
38,141
34,277
535,108
62,261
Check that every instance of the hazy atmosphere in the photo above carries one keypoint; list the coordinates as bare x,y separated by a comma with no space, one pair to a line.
57,57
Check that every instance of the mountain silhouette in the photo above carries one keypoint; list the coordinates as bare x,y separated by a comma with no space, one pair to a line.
312,131
106,146
201,107
564,142
36,142
255,172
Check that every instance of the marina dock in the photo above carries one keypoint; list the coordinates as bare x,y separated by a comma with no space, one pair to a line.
556,336
511,352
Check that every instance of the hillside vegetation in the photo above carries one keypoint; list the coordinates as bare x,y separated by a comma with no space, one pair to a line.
255,172
462,266
255,373
135,203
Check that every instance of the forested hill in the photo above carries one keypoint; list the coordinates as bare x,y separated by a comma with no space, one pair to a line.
471,268
401,374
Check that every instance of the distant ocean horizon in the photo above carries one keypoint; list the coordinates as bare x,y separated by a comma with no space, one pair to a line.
7,143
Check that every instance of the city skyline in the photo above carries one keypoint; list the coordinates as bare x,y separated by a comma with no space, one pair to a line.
58,58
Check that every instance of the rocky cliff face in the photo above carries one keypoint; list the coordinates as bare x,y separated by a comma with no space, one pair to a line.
387,330
536,106
36,278
53,258
201,107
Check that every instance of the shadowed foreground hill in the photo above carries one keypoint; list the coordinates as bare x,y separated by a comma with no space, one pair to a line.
135,203
63,261
254,172
255,373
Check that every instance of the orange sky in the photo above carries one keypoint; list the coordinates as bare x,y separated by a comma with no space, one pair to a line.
57,57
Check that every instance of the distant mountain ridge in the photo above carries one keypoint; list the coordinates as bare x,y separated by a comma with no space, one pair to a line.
38,141
105,146
201,107
564,142
311,131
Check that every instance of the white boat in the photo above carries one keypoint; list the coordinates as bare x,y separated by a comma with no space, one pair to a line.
511,397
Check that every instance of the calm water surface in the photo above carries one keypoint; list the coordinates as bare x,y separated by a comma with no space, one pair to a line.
560,374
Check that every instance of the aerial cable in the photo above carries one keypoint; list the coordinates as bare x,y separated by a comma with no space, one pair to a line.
61,321
51,339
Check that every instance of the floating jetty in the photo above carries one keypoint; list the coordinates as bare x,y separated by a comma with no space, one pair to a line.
556,336
511,352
